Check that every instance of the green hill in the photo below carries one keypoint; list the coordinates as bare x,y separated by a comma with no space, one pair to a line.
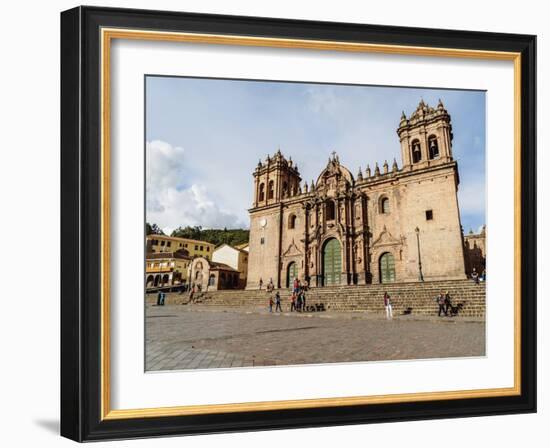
233,237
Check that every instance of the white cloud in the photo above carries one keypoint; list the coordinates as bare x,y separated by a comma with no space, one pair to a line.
324,100
173,198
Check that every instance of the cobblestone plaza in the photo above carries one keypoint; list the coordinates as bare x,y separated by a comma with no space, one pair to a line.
188,337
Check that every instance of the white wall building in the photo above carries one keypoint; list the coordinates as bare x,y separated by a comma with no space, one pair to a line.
234,257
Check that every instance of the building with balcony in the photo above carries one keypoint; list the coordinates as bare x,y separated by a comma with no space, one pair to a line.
167,269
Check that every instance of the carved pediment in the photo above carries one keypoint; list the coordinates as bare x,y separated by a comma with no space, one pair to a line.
292,250
385,238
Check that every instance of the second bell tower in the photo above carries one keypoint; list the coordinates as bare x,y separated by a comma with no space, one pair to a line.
426,137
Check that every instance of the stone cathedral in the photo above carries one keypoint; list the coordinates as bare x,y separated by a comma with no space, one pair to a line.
384,225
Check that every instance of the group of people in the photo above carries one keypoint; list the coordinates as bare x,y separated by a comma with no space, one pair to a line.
443,300
276,302
297,297
303,285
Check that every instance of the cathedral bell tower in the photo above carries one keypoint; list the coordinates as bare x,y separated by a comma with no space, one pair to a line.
275,179
426,137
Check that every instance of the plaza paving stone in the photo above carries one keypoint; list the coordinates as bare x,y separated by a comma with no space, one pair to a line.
188,337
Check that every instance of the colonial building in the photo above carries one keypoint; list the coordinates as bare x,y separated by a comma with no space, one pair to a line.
474,247
166,268
388,224
235,258
163,243
206,275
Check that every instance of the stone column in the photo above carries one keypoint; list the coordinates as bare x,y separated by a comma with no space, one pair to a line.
424,146
257,190
318,268
367,265
306,239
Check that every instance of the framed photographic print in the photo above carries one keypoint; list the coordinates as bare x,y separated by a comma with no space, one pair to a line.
272,223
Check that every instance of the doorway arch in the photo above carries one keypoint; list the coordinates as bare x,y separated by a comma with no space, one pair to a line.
386,265
150,281
165,279
332,262
291,274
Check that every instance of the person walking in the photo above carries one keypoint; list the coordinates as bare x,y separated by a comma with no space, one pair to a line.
162,298
292,302
261,283
388,306
159,297
448,302
278,302
303,299
270,304
441,302
475,276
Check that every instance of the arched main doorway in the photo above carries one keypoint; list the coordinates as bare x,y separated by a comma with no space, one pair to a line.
291,274
332,262
387,268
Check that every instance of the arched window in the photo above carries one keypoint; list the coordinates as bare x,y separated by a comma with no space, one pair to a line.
416,152
292,221
271,190
387,268
433,148
150,280
262,192
384,205
285,189
330,210
211,280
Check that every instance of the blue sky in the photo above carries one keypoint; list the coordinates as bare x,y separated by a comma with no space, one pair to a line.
205,137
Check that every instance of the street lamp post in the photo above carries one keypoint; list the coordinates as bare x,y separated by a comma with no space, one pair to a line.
420,276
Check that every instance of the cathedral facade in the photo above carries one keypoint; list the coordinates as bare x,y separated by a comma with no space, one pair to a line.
384,225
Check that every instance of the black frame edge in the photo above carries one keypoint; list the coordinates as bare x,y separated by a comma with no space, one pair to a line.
529,222
71,384
80,193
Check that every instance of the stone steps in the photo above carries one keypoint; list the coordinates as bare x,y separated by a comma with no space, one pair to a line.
417,298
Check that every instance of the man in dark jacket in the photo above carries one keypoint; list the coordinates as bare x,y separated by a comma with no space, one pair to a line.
441,302
159,297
